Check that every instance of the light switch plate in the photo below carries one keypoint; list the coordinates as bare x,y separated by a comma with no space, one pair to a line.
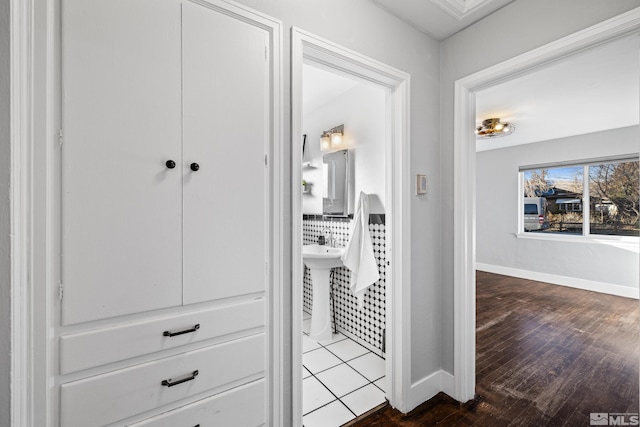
421,184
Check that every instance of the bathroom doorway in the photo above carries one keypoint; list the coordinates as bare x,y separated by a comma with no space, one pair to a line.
343,344
367,361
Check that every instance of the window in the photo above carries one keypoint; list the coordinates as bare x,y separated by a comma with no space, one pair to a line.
595,198
560,191
530,208
613,189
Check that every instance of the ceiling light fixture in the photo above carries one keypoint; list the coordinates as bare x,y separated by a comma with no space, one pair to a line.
494,128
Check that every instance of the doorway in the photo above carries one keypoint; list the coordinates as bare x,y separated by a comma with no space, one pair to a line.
311,50
343,342
465,174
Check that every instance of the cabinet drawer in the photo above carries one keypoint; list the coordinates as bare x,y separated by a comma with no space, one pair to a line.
243,406
99,347
106,398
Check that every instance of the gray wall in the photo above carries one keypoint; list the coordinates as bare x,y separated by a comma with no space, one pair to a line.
5,301
361,26
515,29
497,199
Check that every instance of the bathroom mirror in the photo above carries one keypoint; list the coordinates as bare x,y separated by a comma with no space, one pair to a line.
335,183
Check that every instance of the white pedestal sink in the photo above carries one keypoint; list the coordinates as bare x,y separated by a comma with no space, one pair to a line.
320,260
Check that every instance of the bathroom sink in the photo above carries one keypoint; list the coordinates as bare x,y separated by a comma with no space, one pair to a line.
320,260
321,257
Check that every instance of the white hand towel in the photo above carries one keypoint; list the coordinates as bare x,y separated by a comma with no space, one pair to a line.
358,255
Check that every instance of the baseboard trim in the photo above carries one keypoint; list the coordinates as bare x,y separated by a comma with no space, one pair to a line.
448,383
572,282
429,386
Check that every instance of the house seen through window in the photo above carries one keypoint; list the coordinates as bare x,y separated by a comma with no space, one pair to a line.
598,198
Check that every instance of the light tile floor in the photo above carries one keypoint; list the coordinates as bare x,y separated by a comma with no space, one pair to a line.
341,380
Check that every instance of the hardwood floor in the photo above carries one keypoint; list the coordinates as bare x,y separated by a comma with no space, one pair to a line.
547,355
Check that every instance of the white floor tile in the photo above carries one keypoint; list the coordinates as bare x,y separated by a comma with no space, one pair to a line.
364,399
305,372
314,395
347,349
342,379
333,415
382,384
369,365
308,344
334,338
319,359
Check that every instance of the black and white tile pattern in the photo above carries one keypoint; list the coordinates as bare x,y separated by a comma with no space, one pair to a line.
366,325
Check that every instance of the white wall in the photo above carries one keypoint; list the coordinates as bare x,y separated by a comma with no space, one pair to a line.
362,111
365,28
497,213
515,29
5,266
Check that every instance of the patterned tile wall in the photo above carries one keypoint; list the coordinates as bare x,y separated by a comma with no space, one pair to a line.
366,325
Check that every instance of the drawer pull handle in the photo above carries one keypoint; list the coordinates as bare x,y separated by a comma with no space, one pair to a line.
186,331
171,383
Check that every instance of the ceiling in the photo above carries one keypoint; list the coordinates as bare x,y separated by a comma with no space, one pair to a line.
320,87
589,92
440,18
596,90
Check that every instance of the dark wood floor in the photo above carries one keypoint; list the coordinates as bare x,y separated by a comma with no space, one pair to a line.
546,356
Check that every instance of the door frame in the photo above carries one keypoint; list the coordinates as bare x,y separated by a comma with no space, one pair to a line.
21,74
465,172
309,48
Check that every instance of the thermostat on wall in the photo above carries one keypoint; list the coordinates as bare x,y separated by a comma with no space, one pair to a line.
421,184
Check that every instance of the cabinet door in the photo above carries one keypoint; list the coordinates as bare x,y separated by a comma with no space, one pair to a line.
121,75
226,113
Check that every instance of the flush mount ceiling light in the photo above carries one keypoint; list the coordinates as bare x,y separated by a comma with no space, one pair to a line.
332,138
494,128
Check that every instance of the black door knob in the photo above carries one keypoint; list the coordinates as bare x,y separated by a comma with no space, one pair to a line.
195,167
170,164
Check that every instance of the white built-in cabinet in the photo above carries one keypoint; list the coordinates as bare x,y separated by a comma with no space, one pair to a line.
167,118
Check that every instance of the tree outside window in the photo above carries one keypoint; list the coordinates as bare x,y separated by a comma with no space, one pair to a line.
614,189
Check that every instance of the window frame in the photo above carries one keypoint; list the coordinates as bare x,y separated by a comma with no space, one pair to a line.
586,205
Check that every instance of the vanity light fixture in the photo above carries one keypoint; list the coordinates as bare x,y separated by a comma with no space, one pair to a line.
493,128
325,141
336,136
332,138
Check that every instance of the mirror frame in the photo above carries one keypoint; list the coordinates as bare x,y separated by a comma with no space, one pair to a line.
344,200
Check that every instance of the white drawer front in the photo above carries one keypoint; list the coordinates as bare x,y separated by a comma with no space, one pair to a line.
117,395
99,347
243,406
